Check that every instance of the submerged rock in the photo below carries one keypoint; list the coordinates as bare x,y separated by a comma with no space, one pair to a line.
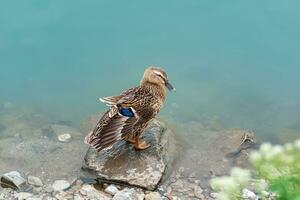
123,164
62,132
14,180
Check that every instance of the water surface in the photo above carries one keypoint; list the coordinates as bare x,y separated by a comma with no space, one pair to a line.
235,64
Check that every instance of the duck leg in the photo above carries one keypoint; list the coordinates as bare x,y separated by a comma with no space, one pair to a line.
137,143
135,137
130,140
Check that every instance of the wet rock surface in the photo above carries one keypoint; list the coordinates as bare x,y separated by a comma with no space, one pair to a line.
214,155
123,164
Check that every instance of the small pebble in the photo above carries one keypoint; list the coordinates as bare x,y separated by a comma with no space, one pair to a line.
181,169
49,198
64,137
37,190
153,196
111,189
60,185
35,181
62,195
48,189
178,185
22,195
213,195
129,194
198,192
248,194
34,198
91,193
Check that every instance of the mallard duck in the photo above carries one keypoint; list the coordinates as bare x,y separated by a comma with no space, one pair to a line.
130,112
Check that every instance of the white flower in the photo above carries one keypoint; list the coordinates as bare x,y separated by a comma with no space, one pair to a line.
225,183
242,176
223,196
288,147
255,157
265,148
261,185
277,149
273,153
297,144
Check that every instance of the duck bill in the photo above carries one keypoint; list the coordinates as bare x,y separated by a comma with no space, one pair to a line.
170,87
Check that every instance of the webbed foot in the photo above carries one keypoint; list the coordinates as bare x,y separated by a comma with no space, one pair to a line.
138,145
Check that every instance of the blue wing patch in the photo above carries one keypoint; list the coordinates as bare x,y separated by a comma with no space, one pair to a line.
126,112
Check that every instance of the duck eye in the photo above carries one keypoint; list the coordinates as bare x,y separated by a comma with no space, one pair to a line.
158,74
163,78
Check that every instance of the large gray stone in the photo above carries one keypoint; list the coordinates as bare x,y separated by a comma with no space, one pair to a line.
123,164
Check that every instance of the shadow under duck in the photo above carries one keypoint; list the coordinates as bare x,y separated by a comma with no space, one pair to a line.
130,112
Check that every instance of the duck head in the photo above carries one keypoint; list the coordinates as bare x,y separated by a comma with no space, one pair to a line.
157,76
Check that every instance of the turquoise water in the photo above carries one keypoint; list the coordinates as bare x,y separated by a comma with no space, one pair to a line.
234,62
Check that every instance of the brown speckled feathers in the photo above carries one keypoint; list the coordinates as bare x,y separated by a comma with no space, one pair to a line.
130,112
113,126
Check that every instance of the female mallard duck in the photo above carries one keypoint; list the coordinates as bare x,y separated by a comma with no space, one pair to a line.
131,111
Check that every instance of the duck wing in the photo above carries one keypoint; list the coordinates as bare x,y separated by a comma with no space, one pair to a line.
110,130
115,124
126,96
